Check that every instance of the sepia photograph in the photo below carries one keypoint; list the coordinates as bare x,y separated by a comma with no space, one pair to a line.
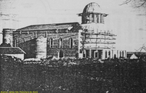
72,46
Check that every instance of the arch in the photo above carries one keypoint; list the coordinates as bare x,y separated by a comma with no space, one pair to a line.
71,42
96,54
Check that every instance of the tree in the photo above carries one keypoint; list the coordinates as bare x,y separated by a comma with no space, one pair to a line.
135,3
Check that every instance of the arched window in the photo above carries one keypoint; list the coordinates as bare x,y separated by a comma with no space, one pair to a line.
122,53
51,42
60,43
109,53
71,42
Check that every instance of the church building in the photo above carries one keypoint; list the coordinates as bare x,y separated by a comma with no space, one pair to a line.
90,39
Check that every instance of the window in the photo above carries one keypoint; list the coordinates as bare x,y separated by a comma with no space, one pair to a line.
80,51
71,42
51,42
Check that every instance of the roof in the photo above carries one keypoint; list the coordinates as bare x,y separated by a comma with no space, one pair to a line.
11,50
137,53
92,8
133,56
50,26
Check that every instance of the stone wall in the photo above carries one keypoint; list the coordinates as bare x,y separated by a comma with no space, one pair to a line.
27,41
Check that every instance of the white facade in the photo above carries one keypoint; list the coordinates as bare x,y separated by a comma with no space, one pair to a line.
21,56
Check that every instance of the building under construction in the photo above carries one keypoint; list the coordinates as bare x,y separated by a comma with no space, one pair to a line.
90,39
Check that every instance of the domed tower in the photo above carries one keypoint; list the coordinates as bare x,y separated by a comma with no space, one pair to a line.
92,14
97,40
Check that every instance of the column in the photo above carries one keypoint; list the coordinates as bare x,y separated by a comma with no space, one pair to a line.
101,18
90,18
118,54
90,53
103,54
125,54
98,18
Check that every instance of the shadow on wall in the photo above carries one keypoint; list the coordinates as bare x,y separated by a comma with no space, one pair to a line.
5,45
29,47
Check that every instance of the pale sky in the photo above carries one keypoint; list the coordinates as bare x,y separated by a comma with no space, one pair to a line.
128,23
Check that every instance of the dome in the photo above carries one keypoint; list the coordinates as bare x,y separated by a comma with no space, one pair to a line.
92,8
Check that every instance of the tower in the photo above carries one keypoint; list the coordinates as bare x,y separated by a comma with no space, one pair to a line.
98,41
8,36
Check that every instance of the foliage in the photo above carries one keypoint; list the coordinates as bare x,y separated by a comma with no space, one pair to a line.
88,76
135,3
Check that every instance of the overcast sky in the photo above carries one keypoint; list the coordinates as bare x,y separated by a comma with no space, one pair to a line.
128,23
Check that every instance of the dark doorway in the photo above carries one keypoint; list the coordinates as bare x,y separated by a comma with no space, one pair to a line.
100,54
115,56
84,53
87,53
61,54
96,54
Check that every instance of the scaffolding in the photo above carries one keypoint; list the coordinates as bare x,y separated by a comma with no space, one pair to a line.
104,38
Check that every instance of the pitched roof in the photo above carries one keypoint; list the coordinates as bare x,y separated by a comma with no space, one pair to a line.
49,26
11,50
133,56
